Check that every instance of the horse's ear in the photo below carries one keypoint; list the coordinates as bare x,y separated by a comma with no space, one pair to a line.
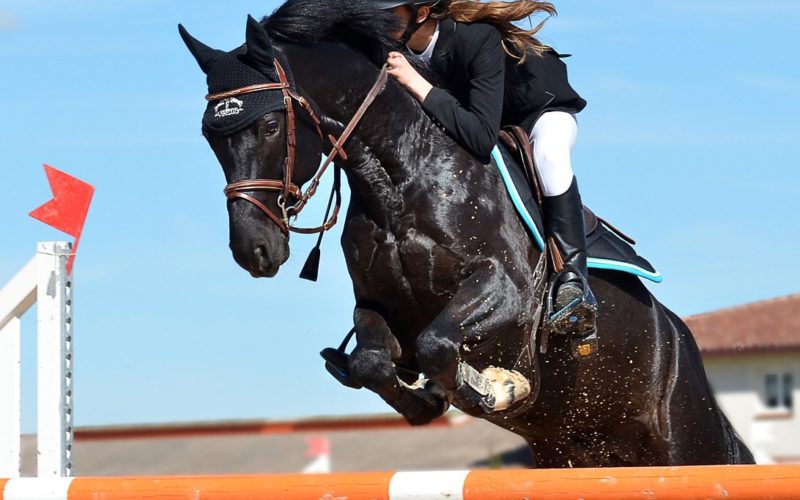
259,46
204,54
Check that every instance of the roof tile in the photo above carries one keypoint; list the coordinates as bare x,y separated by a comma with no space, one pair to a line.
770,325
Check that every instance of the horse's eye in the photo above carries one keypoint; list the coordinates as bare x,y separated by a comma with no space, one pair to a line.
272,127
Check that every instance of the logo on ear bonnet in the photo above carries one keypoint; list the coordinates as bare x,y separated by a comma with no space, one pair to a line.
249,64
228,107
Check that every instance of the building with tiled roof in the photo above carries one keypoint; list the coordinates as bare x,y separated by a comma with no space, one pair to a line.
365,443
751,355
768,326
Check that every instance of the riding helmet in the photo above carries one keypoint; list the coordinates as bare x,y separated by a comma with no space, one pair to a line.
390,4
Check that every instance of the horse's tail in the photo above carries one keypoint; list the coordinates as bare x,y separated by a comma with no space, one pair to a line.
737,452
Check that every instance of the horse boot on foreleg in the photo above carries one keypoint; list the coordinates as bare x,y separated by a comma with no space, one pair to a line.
485,303
372,365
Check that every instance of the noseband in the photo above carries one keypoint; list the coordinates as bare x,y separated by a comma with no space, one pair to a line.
286,186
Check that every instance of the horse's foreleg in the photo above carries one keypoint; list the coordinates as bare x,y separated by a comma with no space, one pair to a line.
372,364
486,302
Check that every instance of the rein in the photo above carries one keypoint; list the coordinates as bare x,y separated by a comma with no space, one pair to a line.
286,187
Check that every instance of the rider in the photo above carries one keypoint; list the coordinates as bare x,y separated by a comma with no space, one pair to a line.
479,52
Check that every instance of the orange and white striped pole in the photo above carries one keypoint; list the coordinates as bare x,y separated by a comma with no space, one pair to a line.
777,482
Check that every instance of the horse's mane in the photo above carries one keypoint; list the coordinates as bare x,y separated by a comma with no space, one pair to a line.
355,22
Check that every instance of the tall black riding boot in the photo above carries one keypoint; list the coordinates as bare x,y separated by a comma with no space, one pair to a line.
573,306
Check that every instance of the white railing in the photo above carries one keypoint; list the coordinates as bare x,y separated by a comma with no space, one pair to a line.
43,281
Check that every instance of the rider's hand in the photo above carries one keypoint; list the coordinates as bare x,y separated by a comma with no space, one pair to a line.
407,76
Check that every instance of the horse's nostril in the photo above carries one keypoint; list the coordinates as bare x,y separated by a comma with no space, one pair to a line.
261,257
264,265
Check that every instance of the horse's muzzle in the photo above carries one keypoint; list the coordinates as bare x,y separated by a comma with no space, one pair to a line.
262,259
265,265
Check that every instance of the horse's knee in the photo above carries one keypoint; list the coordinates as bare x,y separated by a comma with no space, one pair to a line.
437,356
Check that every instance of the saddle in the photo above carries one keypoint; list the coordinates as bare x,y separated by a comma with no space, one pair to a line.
516,140
607,246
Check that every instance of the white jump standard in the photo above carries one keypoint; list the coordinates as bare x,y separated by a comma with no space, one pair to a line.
43,281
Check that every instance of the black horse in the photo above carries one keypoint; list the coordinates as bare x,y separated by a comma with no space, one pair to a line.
446,278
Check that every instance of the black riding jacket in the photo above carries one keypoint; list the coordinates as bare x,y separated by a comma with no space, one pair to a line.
487,88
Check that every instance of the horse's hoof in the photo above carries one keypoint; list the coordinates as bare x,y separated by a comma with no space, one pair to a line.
422,418
423,402
419,412
508,387
494,389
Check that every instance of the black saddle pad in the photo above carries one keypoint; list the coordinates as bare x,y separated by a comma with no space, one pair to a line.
606,249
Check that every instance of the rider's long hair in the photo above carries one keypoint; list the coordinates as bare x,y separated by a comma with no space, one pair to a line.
517,42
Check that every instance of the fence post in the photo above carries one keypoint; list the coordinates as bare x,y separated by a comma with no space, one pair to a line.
54,347
16,298
10,424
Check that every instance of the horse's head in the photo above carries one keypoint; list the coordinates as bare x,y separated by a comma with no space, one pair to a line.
268,147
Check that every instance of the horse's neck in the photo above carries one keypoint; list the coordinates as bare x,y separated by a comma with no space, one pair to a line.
382,153
378,194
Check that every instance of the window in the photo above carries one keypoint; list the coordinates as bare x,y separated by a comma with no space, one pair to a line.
778,393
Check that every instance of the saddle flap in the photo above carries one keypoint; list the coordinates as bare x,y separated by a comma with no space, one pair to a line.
590,220
517,141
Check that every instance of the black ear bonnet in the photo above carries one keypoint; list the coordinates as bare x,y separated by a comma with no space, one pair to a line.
251,64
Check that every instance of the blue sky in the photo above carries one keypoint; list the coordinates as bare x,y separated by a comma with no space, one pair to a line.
689,143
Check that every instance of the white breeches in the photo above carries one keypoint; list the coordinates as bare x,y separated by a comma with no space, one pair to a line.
553,137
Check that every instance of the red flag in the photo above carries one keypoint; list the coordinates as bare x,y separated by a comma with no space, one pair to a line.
318,445
68,209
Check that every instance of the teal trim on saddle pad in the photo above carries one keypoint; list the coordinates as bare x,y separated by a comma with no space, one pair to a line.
614,265
516,199
593,262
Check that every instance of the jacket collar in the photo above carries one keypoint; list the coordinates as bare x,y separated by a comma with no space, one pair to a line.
443,50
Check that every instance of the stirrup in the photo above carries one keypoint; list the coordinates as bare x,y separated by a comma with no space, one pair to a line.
580,315
336,362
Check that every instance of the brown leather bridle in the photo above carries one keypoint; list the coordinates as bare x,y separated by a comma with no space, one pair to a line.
286,187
